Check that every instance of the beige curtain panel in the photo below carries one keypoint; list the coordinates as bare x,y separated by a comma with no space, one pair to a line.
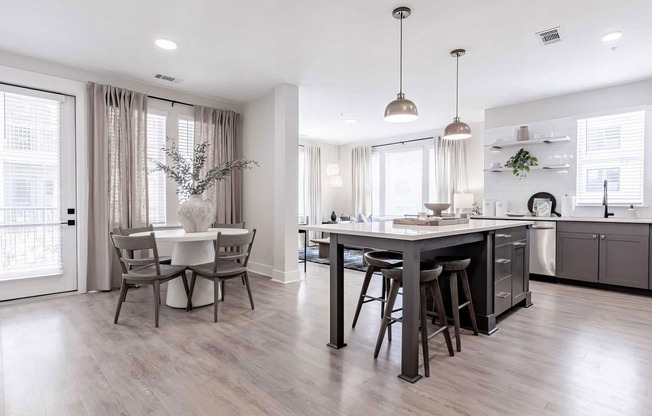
361,175
450,169
313,180
117,157
220,128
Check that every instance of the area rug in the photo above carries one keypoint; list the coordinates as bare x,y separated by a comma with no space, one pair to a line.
352,258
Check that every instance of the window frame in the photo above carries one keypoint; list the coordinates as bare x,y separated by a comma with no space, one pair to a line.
426,168
587,163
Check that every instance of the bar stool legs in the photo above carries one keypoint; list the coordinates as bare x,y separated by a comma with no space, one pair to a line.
456,306
428,281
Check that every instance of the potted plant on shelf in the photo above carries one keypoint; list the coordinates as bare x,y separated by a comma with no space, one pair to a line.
521,163
195,213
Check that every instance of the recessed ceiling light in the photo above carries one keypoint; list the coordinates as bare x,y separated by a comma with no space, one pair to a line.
611,36
350,121
166,44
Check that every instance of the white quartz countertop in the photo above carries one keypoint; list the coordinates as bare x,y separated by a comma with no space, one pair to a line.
572,219
387,229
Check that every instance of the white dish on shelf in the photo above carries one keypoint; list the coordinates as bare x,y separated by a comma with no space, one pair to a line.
515,213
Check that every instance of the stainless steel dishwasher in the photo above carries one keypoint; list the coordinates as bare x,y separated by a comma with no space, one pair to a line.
543,248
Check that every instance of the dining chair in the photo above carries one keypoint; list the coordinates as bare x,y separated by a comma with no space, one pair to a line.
234,225
231,259
130,231
144,270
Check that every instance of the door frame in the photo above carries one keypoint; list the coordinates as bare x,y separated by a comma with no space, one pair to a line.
77,89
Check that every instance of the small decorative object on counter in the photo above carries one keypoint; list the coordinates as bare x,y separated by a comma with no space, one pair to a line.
333,216
542,207
476,211
523,134
521,163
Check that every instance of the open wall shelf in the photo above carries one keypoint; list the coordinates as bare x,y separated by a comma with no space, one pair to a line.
541,167
533,142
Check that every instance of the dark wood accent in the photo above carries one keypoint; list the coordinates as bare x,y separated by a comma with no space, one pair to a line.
519,288
336,293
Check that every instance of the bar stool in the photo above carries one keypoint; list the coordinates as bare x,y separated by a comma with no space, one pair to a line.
377,261
429,280
454,268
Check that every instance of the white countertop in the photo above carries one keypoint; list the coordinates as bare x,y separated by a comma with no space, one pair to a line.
387,229
572,219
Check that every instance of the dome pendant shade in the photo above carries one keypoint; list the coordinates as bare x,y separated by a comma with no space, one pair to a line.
457,130
401,110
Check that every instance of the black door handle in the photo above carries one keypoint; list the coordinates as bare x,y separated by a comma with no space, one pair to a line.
69,222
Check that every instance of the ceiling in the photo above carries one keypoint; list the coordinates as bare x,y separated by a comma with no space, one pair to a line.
343,54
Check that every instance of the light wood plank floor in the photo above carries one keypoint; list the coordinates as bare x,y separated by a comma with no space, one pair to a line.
577,351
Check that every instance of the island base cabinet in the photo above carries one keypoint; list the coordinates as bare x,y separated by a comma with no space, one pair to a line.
578,256
624,260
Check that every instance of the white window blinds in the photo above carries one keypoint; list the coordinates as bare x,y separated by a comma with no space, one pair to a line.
611,148
186,137
403,181
30,182
156,180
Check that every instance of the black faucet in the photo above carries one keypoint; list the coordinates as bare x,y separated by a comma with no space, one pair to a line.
607,214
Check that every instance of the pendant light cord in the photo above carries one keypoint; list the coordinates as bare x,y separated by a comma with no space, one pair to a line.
400,88
457,86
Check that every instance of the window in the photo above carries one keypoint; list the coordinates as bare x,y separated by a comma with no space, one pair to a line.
156,180
611,148
186,142
401,179
177,123
302,184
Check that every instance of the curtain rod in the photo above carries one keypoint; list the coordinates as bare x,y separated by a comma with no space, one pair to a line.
37,89
170,101
402,142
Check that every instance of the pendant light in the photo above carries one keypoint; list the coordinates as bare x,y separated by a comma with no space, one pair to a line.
401,110
457,130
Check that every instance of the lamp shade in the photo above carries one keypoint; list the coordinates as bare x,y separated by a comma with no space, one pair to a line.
401,110
336,181
457,130
332,169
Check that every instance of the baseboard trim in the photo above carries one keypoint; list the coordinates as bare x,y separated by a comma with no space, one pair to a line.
261,269
286,277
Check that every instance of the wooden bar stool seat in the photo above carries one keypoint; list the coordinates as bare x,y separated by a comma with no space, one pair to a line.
454,269
376,262
429,280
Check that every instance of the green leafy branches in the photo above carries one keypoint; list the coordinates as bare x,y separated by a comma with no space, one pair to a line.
187,173
521,163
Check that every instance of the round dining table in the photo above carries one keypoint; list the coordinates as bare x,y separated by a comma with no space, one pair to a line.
190,249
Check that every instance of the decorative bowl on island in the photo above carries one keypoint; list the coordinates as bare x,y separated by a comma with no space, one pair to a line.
437,207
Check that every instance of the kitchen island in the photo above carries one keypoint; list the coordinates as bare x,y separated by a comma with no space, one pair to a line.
499,277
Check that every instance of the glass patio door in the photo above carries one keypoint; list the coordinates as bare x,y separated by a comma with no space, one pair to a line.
38,243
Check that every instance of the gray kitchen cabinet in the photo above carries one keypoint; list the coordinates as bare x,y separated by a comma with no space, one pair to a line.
609,253
511,269
624,260
578,256
519,283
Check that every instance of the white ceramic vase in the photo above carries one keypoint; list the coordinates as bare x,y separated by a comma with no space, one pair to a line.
196,214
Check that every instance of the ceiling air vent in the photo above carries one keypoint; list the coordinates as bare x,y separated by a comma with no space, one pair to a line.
164,77
550,36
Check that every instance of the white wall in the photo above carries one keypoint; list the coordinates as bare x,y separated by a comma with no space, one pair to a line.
270,136
559,115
